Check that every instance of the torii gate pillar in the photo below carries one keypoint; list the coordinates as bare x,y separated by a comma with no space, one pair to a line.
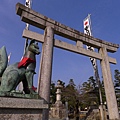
46,68
108,84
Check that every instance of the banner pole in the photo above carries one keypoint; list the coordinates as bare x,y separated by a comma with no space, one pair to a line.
87,30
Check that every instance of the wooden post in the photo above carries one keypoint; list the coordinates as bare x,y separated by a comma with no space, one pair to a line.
46,68
109,87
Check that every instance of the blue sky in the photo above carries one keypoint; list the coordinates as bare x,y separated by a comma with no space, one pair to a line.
105,17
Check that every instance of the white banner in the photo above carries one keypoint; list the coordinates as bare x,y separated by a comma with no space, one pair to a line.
28,3
87,25
87,30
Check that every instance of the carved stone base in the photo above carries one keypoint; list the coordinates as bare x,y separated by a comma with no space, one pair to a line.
21,109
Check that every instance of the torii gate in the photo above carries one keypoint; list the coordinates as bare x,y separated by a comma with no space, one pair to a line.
52,27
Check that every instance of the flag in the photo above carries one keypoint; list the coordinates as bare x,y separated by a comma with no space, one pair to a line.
87,30
87,25
28,3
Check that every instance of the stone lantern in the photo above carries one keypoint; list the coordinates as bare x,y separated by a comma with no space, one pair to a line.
58,110
58,102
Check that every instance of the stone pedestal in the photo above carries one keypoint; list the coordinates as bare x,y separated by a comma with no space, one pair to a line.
58,111
21,109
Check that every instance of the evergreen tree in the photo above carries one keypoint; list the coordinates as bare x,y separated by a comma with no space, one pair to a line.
90,93
71,83
52,93
117,85
103,92
70,94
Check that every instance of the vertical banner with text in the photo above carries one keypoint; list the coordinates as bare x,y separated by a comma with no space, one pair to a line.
87,30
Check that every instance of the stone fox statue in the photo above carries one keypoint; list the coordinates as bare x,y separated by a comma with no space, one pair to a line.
23,71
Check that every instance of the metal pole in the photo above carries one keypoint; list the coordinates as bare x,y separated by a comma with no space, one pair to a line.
98,82
28,3
87,30
100,94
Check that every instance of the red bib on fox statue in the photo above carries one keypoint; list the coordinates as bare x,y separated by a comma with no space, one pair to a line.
24,62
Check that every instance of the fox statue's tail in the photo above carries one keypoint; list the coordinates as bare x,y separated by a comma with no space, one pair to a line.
3,60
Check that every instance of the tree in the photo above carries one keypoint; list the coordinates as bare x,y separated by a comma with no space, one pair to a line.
89,85
52,93
70,94
103,92
90,93
117,85
71,83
